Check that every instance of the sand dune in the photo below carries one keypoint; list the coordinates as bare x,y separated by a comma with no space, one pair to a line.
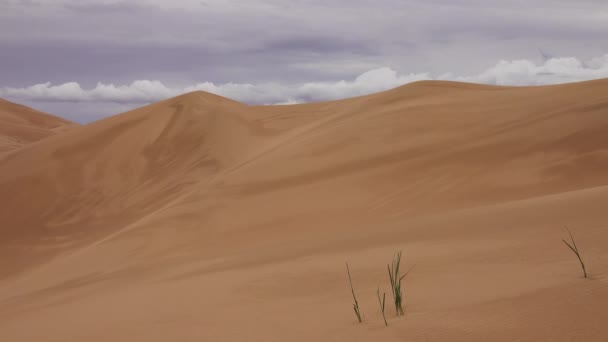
21,125
202,219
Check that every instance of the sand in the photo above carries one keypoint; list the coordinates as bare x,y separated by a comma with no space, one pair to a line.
202,219
21,126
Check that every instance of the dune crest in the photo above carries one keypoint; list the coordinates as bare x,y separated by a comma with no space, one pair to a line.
21,125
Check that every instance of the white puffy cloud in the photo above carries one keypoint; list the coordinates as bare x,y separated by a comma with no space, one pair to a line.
516,73
137,92
552,71
369,82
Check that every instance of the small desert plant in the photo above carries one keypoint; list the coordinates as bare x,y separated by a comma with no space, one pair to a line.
395,278
574,249
382,302
356,303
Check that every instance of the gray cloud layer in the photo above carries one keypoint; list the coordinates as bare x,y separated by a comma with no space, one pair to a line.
517,72
276,44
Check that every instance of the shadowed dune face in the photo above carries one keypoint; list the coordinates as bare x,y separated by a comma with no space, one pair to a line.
184,219
21,125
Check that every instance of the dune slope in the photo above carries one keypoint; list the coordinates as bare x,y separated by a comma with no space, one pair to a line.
199,218
21,125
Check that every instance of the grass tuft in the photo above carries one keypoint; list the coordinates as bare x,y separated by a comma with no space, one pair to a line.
356,303
382,304
395,278
574,248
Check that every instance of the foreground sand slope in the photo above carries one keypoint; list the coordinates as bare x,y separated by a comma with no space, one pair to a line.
199,218
21,125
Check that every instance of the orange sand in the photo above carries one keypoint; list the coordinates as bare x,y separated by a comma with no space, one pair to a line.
21,125
202,219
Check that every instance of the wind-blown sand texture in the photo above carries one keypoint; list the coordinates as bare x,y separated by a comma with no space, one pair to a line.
202,219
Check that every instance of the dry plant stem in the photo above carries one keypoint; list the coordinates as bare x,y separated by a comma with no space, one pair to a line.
574,249
382,304
356,304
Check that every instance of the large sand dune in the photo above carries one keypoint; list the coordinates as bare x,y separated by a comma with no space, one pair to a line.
203,219
21,125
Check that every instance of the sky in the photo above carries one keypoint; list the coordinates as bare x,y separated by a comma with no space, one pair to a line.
85,60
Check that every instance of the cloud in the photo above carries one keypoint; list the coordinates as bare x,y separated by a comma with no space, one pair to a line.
515,73
258,41
137,92
276,51
552,71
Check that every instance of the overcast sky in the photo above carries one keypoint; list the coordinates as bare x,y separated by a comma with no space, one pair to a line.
87,59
